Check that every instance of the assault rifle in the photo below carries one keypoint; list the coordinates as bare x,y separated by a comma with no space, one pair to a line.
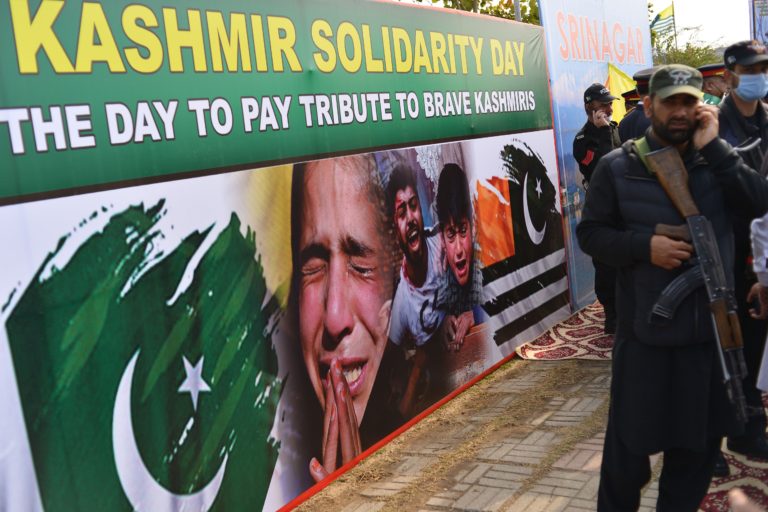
668,167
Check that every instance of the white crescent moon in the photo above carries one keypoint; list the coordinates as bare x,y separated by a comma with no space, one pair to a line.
142,490
536,236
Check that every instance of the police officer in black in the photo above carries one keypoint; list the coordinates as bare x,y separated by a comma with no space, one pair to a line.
635,123
744,124
598,137
743,117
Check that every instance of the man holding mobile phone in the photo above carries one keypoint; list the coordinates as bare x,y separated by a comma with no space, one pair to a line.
667,391
598,137
600,134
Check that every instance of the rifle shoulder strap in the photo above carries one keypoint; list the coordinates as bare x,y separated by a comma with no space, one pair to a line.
641,149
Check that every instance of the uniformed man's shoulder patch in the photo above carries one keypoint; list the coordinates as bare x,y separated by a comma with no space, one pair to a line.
588,157
579,136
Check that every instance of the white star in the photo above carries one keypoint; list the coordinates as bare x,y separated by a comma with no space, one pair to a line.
538,187
194,383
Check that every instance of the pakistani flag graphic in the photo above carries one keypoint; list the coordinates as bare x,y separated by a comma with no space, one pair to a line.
149,382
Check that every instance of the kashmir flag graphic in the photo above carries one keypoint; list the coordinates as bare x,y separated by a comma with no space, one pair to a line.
145,386
527,289
664,22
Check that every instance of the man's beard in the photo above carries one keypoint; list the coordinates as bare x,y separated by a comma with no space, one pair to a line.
677,136
415,230
412,257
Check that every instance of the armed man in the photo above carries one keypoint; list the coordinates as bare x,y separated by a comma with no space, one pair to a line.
671,392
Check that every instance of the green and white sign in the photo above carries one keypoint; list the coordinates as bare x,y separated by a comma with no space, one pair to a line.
203,293
98,94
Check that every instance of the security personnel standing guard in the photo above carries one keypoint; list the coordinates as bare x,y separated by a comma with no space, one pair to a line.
667,392
635,123
598,137
744,124
631,99
743,116
715,86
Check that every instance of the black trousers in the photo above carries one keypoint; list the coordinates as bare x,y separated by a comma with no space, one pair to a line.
605,289
685,477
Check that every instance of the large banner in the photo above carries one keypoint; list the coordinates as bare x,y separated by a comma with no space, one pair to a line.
758,20
186,324
131,92
584,38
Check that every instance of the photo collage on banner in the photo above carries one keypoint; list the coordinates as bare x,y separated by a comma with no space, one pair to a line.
437,289
400,274
589,41
202,317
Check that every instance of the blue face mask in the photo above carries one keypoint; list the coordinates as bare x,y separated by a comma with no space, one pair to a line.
752,87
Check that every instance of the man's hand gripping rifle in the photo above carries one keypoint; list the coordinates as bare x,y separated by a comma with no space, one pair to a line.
671,173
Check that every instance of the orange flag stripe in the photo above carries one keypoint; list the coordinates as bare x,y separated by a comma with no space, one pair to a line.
494,222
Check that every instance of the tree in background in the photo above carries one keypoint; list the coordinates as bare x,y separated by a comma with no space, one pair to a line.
529,9
693,53
667,51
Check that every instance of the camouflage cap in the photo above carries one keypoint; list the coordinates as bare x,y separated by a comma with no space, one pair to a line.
676,79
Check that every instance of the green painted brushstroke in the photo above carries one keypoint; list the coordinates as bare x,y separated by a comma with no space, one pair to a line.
72,335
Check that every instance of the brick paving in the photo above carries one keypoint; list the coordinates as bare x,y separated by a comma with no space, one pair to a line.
501,448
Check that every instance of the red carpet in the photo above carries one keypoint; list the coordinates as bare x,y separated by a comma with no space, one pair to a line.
749,475
579,337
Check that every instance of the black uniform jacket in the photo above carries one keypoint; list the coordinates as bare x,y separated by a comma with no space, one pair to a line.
592,143
634,124
667,388
736,130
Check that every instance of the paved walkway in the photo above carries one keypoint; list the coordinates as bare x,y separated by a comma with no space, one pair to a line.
528,438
